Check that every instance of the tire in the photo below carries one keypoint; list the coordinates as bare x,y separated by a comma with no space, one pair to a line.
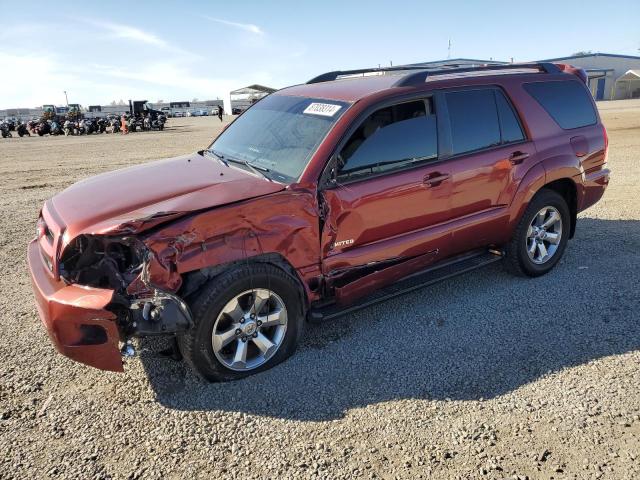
519,261
196,345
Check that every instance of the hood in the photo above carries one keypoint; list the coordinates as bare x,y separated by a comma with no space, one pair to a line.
136,198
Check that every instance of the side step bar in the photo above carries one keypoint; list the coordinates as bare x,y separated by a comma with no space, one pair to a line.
433,274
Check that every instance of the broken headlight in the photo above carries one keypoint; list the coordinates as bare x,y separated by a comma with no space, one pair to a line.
102,262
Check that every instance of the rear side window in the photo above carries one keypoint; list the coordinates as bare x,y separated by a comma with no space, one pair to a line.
509,124
474,120
567,102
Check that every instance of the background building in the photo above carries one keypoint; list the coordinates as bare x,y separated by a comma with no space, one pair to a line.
610,76
243,98
604,70
463,62
629,84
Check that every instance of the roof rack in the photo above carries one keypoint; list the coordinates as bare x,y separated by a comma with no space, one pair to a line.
420,77
420,74
329,76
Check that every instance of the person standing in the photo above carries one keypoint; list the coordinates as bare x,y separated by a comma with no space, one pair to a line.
124,128
220,112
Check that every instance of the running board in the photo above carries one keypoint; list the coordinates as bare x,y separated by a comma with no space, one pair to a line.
434,274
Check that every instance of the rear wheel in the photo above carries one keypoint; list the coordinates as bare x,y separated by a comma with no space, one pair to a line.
246,320
541,236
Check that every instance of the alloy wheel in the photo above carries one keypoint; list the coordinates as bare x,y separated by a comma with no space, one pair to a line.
544,235
249,330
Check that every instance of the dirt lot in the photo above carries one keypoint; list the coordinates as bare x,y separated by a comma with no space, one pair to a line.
484,376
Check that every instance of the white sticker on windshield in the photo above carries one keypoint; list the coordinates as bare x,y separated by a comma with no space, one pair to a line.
324,109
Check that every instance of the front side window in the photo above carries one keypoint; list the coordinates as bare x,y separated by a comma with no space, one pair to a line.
279,134
389,139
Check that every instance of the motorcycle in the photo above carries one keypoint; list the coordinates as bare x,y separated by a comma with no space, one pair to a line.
10,124
132,124
22,130
101,125
43,128
89,127
4,130
158,123
55,129
115,125
31,127
68,128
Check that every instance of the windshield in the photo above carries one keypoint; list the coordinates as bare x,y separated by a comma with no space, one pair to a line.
279,134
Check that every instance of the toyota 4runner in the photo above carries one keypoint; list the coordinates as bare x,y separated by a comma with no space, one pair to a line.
319,199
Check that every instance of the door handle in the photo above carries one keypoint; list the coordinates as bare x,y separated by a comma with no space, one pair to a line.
435,179
517,158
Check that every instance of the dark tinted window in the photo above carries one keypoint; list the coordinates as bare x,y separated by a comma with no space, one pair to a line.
510,127
474,120
567,102
391,138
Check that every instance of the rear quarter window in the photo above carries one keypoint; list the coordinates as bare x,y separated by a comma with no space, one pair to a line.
567,102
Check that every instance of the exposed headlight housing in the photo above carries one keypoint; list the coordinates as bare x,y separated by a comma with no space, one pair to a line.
102,262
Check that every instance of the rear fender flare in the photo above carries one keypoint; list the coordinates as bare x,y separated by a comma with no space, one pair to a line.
559,167
531,183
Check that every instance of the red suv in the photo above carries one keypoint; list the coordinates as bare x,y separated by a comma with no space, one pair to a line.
319,199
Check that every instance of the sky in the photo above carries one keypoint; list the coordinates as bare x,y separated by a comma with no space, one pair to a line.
104,51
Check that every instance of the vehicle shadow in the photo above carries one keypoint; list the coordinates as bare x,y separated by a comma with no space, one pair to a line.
477,336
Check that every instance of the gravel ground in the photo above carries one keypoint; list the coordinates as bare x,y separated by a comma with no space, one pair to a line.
483,376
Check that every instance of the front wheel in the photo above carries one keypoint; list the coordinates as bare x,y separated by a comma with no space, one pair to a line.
246,320
541,235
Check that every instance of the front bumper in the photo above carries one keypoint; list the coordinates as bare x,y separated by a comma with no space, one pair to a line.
75,317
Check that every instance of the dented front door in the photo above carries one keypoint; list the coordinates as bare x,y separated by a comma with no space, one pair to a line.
388,223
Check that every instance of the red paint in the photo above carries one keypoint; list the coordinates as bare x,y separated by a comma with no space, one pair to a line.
63,308
193,212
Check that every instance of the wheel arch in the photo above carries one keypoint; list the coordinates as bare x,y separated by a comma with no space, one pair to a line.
193,281
536,180
567,188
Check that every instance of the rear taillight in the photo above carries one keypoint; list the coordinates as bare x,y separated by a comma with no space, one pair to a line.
606,142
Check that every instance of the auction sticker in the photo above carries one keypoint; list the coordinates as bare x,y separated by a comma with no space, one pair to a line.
324,109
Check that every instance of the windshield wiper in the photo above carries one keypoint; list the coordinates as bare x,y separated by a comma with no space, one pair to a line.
261,170
254,168
218,156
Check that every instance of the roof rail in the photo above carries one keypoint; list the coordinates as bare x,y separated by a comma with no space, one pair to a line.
420,77
421,73
329,76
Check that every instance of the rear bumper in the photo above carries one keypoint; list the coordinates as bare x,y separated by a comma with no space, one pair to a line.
594,184
75,317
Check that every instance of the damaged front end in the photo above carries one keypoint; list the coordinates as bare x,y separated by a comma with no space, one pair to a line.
121,264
